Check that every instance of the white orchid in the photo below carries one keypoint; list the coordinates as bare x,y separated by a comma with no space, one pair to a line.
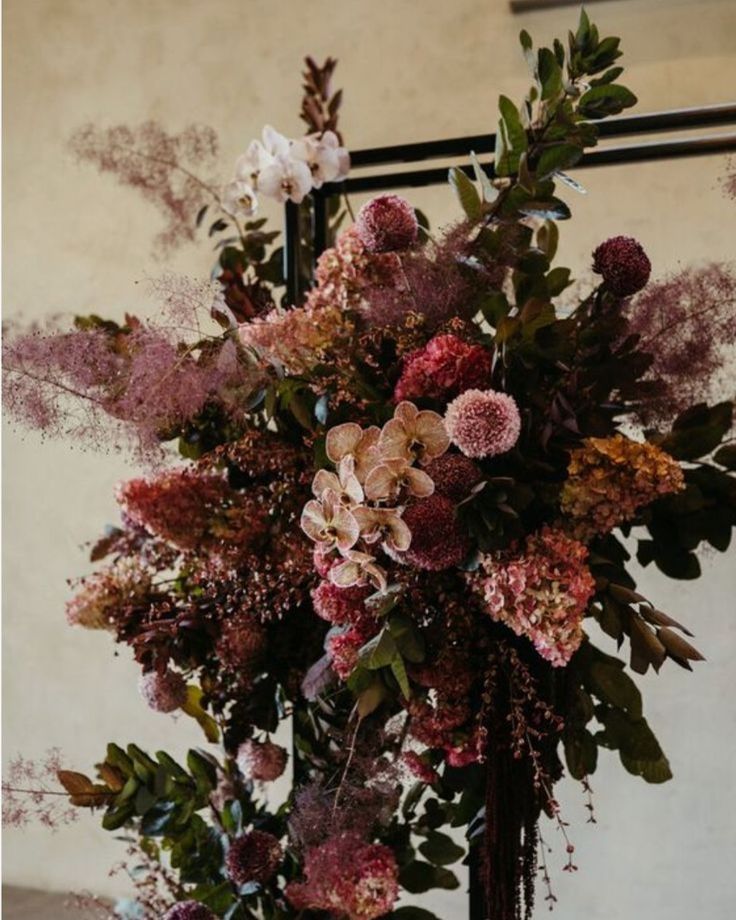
383,525
327,160
344,483
413,435
285,178
389,478
358,569
239,199
327,522
350,440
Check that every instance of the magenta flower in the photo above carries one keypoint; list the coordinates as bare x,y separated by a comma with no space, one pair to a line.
483,423
443,368
386,224
623,264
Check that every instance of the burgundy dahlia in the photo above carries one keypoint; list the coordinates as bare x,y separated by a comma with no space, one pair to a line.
253,857
386,224
437,542
189,910
624,265
163,692
261,760
454,476
444,367
483,423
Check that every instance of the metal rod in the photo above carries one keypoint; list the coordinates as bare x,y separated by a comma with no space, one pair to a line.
319,224
605,156
708,116
291,252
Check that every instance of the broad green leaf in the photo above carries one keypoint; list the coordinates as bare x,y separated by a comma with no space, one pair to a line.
560,156
379,651
440,849
581,753
511,139
602,101
466,192
193,707
418,876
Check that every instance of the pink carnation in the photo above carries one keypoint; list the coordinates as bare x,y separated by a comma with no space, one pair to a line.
163,692
541,593
623,264
253,857
436,539
444,367
386,224
483,423
347,878
261,760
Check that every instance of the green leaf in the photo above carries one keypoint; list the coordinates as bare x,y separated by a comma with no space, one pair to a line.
440,849
726,456
548,209
398,669
466,192
417,877
193,707
602,101
581,753
652,771
550,74
698,431
408,639
557,280
494,308
610,683
560,156
511,139
379,651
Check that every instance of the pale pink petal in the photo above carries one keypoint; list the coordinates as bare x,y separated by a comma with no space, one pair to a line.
347,530
343,440
395,440
399,536
430,431
313,521
406,412
382,482
324,480
418,483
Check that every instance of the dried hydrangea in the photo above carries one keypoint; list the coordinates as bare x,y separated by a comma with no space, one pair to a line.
347,878
445,367
253,857
163,691
610,479
483,423
387,223
339,605
105,592
541,592
261,760
623,264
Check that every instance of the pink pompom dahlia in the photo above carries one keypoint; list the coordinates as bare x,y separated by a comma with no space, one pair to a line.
541,593
348,878
444,367
253,857
163,692
624,265
386,224
261,760
189,910
437,542
483,423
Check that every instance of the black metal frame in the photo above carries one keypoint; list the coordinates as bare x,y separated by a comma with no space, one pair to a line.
483,145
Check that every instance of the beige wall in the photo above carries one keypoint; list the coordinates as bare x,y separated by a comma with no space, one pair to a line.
412,70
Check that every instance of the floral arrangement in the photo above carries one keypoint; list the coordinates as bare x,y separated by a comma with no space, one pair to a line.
401,518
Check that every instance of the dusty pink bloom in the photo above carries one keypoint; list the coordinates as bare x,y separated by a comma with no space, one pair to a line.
436,539
253,857
541,592
387,223
413,435
242,645
163,692
347,878
623,264
483,423
102,594
384,526
454,475
160,166
339,605
344,483
358,569
443,368
327,522
261,760
393,478
350,441
190,910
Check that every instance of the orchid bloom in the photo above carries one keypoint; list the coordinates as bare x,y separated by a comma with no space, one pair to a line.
238,198
344,483
261,154
384,525
327,160
327,522
358,569
285,179
350,440
390,477
413,435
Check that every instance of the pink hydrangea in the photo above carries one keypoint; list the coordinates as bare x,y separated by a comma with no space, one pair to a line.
339,605
541,593
261,760
387,223
347,878
437,542
420,768
624,265
483,423
164,692
444,367
253,857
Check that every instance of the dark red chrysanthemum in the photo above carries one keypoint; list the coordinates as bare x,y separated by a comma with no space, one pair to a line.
253,857
443,368
189,910
454,476
387,224
624,265
436,539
